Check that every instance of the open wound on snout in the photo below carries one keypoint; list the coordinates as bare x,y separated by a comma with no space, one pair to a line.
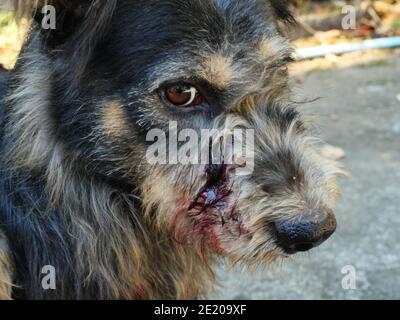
212,211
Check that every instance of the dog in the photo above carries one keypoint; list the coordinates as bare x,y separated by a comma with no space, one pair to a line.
77,192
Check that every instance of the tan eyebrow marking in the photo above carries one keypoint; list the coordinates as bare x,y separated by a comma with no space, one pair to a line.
274,47
113,120
218,69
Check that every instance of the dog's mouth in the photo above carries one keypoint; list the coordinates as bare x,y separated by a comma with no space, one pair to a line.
213,211
214,216
215,191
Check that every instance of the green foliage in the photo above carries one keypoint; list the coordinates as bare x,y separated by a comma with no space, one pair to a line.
7,23
396,24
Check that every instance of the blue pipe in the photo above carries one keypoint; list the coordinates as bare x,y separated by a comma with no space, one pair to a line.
321,51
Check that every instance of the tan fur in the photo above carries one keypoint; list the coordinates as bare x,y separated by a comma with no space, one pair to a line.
6,270
264,73
318,192
114,120
108,236
162,201
218,69
95,248
30,120
272,48
166,198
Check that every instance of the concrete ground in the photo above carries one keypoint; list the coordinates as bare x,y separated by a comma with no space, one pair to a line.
360,113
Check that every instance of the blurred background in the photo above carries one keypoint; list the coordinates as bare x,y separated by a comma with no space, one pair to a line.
358,115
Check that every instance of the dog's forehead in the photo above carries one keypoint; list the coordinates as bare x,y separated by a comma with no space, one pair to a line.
243,19
200,21
217,40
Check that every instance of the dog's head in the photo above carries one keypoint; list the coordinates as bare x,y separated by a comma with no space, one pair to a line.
128,74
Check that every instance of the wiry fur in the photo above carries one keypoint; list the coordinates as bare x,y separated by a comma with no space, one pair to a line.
76,191
6,269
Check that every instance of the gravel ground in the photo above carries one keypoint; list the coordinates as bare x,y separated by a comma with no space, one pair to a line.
360,113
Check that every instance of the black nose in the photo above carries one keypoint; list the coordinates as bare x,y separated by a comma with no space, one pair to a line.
303,234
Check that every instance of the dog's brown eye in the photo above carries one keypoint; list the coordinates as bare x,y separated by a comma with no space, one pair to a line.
182,95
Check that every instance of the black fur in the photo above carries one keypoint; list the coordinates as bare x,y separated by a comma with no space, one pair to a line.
3,90
98,52
282,10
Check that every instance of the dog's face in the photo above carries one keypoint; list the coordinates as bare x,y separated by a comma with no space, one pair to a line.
200,64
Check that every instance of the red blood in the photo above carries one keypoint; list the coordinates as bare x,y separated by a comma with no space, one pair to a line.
208,211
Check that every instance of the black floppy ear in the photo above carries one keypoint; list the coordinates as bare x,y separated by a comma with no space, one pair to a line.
60,20
32,8
282,11
74,19
59,28
80,26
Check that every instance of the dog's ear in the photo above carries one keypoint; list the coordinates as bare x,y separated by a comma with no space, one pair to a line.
68,18
73,19
80,26
282,11
30,8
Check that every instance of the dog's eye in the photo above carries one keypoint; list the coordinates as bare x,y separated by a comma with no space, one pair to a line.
183,95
